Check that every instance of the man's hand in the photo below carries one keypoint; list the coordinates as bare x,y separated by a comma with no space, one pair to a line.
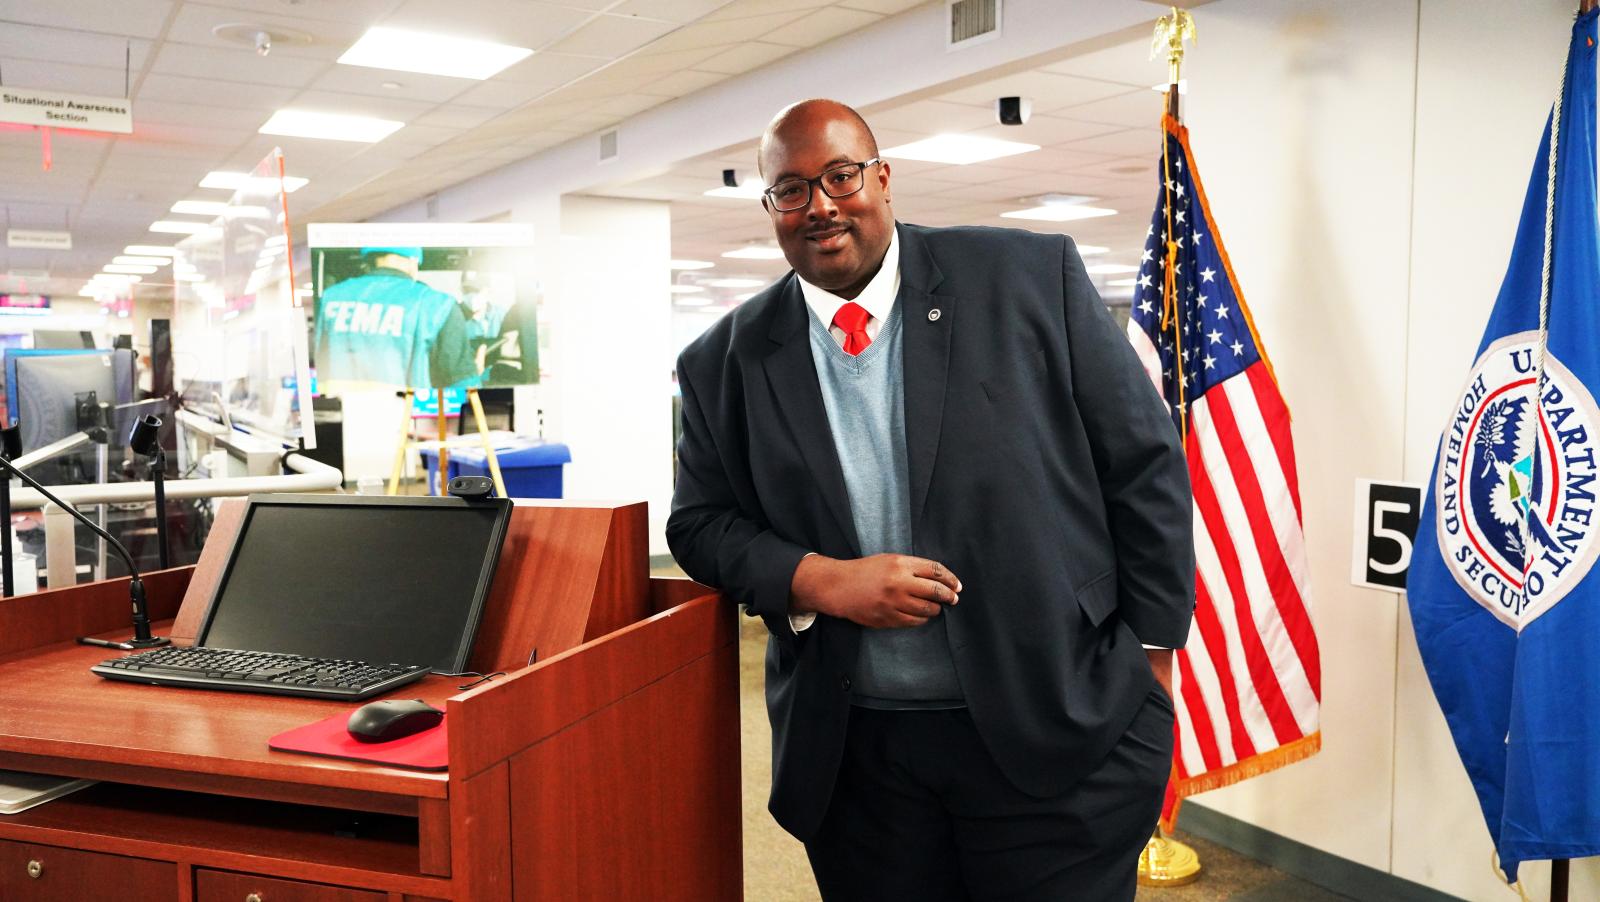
882,591
1161,666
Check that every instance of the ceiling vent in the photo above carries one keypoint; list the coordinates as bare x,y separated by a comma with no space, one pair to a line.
971,22
608,145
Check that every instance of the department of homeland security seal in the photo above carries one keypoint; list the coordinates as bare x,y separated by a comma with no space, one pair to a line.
1515,489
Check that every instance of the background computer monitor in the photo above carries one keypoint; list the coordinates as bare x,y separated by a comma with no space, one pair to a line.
43,385
386,580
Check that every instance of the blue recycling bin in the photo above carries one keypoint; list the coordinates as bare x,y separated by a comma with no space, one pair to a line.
530,467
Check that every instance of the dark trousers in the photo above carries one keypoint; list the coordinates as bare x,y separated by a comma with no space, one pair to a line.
920,812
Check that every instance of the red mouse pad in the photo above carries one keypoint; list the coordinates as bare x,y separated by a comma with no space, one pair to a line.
427,750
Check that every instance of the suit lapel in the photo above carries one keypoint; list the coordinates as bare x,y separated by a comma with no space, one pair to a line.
927,319
792,376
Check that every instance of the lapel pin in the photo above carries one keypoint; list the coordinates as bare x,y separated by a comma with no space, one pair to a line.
933,315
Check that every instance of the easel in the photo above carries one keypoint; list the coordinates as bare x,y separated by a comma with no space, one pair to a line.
444,449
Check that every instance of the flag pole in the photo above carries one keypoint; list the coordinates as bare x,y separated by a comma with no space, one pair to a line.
1164,861
1560,868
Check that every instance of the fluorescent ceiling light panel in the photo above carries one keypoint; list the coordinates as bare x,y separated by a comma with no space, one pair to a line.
431,54
690,264
178,226
1109,269
1122,283
755,252
1059,213
736,283
121,268
233,181
151,250
200,207
1090,250
142,261
113,278
188,277
330,126
958,149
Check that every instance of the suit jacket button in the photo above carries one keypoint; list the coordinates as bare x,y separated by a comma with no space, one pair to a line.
844,683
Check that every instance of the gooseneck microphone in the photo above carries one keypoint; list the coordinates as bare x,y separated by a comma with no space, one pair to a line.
141,612
144,440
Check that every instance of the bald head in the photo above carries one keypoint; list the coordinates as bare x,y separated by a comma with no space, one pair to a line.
810,117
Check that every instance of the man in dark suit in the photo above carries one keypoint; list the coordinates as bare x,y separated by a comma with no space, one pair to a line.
928,460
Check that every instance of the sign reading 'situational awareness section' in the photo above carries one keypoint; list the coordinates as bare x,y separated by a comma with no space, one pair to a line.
28,106
1386,519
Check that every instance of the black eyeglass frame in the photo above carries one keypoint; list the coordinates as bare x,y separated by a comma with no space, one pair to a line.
817,181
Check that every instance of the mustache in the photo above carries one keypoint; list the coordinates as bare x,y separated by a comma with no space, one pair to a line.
834,226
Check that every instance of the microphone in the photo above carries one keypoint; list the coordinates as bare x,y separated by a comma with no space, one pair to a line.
141,612
145,441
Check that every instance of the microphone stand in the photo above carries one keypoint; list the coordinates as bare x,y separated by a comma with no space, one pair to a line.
145,439
141,612
10,446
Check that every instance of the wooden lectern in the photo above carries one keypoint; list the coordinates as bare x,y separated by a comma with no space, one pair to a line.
607,770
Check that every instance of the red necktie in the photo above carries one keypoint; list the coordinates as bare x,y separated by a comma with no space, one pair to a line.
852,320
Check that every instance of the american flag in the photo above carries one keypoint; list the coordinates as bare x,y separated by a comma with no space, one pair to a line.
1248,684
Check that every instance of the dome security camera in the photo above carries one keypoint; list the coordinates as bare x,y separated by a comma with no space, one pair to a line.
263,42
1013,110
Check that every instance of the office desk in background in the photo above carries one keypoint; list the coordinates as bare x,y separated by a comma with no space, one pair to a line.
607,770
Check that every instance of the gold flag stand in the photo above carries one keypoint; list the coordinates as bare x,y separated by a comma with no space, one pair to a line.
1167,862
406,442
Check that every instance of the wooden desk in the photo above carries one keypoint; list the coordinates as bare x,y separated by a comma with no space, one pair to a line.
608,770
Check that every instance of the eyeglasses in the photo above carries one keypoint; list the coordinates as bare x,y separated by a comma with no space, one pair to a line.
840,181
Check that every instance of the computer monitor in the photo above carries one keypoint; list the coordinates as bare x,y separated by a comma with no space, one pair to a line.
42,389
380,579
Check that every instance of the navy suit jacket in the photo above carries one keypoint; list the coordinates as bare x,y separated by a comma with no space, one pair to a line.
1045,471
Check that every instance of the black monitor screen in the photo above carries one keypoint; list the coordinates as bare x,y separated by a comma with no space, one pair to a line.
381,580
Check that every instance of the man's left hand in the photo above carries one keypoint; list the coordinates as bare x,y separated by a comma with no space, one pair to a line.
1161,666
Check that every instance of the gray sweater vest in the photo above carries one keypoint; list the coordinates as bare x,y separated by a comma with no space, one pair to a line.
865,399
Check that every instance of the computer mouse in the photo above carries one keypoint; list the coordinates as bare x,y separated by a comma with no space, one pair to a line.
392,719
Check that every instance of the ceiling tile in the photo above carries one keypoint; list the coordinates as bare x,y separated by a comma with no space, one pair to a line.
629,105
1131,110
186,90
521,23
411,85
548,70
929,117
236,65
503,94
1045,131
681,11
706,33
195,21
103,81
171,113
19,42
454,115
138,18
1126,142
744,57
883,7
1049,92
679,84
358,12
612,36
819,26
746,9
666,63
1128,63
194,135
396,108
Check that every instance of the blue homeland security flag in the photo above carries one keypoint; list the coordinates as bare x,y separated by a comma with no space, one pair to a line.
1501,588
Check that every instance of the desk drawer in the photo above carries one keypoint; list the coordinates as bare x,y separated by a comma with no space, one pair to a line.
31,873
226,886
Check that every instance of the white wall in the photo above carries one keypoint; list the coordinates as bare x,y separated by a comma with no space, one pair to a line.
1366,161
612,343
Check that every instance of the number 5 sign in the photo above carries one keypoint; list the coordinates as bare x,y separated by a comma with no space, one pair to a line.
1386,515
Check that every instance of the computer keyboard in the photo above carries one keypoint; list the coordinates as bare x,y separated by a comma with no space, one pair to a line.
254,671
